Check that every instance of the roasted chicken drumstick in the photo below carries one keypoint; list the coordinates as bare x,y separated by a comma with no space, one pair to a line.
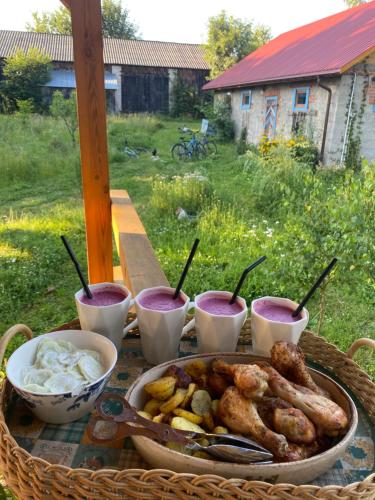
326,415
289,360
294,424
240,415
250,380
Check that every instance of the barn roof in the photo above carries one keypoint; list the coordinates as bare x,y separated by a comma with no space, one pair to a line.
325,47
116,51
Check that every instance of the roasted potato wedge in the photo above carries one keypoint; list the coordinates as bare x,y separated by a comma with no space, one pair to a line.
152,407
215,406
191,389
144,414
185,425
161,389
192,417
159,418
219,429
174,401
201,402
196,368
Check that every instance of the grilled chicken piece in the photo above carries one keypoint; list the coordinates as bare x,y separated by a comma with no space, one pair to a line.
326,415
250,380
294,424
266,407
289,360
240,415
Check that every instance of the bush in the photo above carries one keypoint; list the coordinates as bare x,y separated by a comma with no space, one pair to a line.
66,110
25,74
220,117
301,149
185,99
192,192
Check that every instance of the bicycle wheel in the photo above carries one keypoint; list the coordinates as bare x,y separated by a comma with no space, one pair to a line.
198,152
179,152
210,147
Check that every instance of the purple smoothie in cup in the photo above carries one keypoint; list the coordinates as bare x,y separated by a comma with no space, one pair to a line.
161,301
219,306
104,297
275,312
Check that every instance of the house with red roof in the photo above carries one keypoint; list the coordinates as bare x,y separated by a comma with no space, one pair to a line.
318,80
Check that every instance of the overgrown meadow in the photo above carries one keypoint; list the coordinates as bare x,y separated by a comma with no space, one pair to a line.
241,207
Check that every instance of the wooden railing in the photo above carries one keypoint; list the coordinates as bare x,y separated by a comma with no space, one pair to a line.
139,266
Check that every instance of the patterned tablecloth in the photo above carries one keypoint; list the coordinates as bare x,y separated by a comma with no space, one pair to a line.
70,445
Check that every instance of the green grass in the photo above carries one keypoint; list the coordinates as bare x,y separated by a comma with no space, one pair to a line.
241,213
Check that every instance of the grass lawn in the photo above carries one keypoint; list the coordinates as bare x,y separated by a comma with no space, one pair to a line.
237,218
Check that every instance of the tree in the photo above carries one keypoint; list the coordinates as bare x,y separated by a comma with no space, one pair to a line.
57,22
354,3
230,39
65,109
24,76
116,22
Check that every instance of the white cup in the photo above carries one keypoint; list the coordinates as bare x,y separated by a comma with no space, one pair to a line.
217,332
160,331
265,332
107,320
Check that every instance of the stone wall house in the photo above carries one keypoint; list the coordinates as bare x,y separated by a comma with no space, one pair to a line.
318,80
139,74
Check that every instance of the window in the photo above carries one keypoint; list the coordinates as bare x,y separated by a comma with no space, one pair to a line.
246,99
301,99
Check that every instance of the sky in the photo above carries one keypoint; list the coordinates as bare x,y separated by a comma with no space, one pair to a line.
186,21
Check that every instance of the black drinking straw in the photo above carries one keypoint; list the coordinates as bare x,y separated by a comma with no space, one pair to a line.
319,281
243,277
78,269
186,269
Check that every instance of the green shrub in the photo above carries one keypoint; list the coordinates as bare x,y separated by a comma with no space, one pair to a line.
242,143
220,118
192,192
24,77
300,148
185,99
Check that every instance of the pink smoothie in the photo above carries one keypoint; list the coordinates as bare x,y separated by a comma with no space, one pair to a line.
219,306
161,301
275,312
104,297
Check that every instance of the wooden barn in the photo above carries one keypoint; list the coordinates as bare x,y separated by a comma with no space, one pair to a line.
139,74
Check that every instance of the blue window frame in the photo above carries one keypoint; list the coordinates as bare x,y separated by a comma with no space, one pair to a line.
301,99
373,108
245,99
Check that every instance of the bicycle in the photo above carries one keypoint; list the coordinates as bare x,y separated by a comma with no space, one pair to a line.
191,149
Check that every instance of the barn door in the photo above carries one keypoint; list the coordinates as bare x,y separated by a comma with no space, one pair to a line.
271,114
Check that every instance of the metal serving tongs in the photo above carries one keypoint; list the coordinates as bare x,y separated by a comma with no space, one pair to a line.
116,419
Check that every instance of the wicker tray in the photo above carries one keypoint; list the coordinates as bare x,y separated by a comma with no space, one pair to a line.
34,478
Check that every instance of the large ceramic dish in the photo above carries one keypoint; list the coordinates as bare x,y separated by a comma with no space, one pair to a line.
62,407
300,472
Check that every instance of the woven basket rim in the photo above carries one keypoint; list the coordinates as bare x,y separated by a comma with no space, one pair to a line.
357,489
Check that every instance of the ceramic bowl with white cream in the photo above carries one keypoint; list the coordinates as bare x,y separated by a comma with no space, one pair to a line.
50,395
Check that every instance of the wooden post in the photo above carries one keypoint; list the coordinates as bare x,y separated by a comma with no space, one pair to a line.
89,71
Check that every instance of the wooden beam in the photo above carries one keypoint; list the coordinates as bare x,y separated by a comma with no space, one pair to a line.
66,3
140,267
89,71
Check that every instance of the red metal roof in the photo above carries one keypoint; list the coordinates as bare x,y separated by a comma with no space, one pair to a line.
323,47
